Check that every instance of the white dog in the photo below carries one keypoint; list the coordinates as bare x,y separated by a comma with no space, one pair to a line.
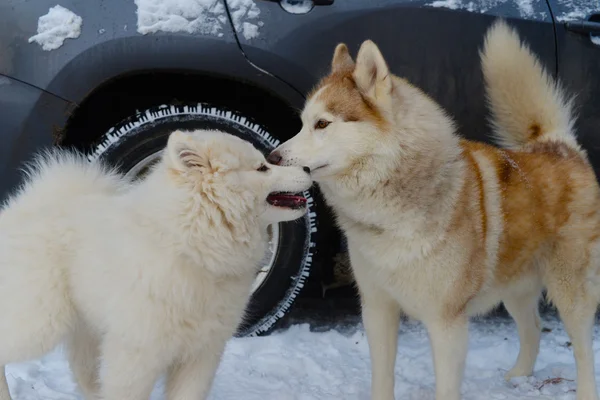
144,278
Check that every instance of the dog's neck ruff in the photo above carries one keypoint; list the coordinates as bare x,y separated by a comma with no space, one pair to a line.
400,195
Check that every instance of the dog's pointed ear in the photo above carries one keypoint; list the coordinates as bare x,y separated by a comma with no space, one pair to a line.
372,75
341,58
186,153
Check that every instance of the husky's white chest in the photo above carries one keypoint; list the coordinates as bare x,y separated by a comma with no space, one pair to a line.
406,243
381,262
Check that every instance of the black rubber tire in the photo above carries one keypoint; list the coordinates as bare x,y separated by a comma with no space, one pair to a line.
145,133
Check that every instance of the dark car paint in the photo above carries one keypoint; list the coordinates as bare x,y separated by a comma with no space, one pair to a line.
579,70
109,46
29,118
80,65
435,48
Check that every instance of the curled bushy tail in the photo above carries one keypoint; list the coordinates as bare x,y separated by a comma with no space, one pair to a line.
54,175
526,104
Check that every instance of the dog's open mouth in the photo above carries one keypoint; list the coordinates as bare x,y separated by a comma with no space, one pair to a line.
286,200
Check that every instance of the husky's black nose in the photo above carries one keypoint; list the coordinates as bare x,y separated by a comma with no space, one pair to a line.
274,158
306,169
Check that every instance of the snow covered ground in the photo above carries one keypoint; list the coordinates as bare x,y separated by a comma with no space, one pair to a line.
297,364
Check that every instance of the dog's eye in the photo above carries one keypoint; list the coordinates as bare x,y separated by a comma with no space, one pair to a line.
322,124
263,168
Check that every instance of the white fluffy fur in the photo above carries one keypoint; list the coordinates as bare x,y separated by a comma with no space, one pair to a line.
139,279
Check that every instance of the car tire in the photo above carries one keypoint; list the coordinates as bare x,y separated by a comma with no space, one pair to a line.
141,137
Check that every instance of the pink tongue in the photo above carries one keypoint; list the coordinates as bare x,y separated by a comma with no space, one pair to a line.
286,200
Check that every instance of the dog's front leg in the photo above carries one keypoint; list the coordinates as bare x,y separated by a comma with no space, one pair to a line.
192,379
127,372
381,318
449,341
83,346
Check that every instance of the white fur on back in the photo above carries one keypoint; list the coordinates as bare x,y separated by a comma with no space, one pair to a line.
55,175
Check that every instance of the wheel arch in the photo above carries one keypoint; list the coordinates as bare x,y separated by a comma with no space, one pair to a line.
124,95
272,104
148,129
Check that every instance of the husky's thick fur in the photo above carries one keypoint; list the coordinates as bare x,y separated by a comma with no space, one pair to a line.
443,228
139,278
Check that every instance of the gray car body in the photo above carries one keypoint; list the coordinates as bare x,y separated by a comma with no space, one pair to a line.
435,47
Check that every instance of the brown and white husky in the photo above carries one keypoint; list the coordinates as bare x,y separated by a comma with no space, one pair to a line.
443,228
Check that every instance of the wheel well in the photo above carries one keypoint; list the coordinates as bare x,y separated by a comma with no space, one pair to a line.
120,97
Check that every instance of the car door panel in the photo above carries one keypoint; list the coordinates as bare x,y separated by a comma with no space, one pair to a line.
578,70
434,47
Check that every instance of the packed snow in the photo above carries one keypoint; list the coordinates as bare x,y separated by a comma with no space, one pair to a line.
297,364
242,11
56,26
525,7
249,30
569,10
564,10
596,40
206,17
192,16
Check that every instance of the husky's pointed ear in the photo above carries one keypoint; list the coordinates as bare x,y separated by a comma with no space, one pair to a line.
341,58
185,152
372,75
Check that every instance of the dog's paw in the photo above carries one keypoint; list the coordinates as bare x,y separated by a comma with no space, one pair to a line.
516,372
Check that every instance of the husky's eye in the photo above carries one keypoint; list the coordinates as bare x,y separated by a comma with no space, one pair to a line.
263,168
322,124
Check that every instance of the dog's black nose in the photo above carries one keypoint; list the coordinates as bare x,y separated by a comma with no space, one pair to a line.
274,158
306,169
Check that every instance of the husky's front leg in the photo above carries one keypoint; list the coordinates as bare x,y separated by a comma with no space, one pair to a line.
192,379
449,341
381,318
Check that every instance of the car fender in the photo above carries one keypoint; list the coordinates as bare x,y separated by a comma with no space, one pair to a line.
110,45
